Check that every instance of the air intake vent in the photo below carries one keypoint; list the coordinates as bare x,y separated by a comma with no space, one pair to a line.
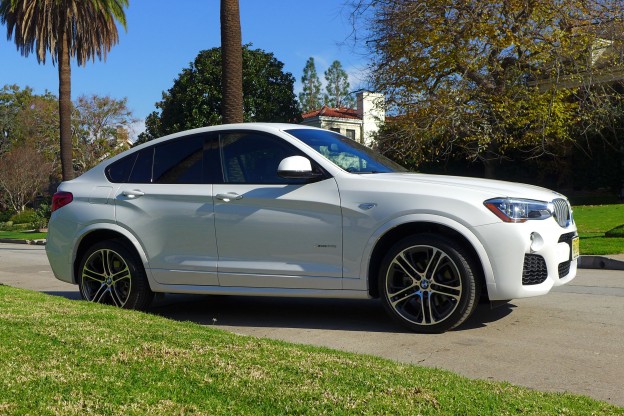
562,212
535,271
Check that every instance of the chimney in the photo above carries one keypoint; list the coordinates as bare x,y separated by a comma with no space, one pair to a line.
371,108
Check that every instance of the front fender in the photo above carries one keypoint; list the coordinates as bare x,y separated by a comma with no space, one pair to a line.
428,219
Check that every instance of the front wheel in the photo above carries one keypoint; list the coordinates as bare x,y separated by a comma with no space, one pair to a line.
428,283
111,273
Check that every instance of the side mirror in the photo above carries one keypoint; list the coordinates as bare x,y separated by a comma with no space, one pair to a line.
296,167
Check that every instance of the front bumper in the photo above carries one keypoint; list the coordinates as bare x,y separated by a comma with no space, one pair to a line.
528,259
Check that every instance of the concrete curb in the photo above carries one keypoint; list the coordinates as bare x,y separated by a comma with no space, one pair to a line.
30,242
600,262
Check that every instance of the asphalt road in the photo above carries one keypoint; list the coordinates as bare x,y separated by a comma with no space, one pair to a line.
569,340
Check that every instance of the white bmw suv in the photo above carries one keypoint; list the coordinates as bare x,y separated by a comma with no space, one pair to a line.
288,210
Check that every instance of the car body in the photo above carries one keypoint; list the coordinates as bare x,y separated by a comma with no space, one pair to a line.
289,210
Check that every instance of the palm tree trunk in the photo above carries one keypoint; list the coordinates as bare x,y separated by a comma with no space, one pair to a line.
231,63
65,109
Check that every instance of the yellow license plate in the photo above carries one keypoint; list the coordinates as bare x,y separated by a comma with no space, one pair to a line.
576,251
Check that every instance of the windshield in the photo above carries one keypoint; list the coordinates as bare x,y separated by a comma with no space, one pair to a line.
346,153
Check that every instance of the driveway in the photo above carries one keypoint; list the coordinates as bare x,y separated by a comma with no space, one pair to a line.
569,340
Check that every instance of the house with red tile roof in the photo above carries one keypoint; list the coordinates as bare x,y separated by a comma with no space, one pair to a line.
359,124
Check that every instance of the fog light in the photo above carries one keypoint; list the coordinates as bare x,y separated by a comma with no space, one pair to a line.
537,242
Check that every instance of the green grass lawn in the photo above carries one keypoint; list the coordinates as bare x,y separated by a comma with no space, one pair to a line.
72,358
594,221
23,235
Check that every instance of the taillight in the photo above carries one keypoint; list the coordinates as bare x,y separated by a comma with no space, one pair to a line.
60,199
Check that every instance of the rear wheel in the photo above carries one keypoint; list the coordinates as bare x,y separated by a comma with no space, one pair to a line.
428,283
111,273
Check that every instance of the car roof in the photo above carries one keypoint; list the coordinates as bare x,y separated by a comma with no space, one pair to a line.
242,126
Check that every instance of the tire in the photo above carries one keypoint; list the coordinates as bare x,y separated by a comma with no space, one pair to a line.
428,283
111,273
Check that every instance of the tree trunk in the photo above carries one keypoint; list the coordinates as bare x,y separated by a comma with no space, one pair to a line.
231,63
65,109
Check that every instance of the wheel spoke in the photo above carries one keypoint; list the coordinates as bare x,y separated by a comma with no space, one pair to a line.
407,267
436,258
121,275
99,294
402,291
444,290
394,302
106,262
92,275
428,310
115,297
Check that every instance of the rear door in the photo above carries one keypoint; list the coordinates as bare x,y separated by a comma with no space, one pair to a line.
167,203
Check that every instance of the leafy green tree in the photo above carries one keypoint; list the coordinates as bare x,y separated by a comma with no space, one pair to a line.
195,98
485,79
310,97
29,119
65,29
231,62
337,87
13,99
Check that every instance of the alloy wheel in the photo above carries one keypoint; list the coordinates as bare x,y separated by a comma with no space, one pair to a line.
106,278
423,285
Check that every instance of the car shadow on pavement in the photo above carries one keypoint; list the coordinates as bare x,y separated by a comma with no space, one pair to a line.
361,315
302,313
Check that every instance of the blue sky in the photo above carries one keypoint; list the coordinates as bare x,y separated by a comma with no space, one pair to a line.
163,37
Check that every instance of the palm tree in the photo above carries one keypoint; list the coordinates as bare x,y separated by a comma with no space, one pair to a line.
81,29
231,63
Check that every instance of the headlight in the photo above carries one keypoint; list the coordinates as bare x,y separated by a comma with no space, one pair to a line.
519,210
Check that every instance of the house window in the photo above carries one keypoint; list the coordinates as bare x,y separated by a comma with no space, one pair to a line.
336,129
350,134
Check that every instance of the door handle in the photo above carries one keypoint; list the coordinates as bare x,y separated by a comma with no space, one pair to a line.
135,193
230,196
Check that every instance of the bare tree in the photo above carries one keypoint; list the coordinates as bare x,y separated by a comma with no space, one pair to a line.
23,174
101,127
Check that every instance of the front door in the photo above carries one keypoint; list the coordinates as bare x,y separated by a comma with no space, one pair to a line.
274,232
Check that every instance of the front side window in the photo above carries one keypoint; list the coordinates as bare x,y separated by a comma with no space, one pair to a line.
347,154
253,158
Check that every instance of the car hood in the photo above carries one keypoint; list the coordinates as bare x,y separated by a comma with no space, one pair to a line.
487,188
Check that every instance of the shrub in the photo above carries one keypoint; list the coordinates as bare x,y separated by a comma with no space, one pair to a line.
6,215
42,216
27,216
4,226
